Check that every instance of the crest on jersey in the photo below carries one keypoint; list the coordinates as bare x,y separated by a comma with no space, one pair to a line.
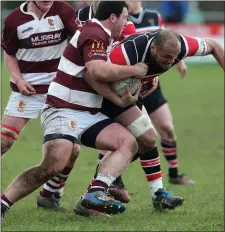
73,124
21,106
51,23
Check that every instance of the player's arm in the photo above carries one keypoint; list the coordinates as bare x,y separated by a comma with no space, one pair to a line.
106,91
203,47
99,73
215,49
68,15
95,56
10,45
108,72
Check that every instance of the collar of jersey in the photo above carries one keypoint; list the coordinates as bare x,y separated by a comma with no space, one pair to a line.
31,13
100,24
140,17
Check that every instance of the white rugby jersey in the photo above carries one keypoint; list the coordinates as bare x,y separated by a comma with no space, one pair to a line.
38,43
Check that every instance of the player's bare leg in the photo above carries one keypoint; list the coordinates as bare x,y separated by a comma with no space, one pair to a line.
10,129
56,154
49,197
140,126
163,122
116,138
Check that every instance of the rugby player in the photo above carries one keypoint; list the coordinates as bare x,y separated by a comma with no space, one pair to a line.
160,50
72,113
33,45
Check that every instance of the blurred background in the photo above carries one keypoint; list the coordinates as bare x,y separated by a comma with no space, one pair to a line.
191,18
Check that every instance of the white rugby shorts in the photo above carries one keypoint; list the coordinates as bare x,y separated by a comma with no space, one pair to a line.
68,121
25,106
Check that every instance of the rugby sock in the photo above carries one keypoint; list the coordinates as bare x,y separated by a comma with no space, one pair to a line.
101,183
56,183
150,163
5,203
170,154
101,154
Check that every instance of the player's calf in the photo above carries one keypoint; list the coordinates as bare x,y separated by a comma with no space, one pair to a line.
9,136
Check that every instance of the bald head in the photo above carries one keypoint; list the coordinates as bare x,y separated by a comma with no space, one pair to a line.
165,48
167,38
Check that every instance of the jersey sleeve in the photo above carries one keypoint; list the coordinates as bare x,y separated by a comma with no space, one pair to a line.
194,46
10,41
94,46
68,15
129,29
124,54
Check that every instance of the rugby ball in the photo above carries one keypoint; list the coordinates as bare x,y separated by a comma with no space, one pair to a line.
119,86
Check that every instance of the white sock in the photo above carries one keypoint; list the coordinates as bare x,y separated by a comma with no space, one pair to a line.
155,185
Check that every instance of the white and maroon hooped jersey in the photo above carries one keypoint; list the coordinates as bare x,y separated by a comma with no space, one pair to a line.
68,89
136,48
38,43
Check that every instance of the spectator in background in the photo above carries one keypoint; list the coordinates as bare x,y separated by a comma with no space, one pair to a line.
174,11
81,4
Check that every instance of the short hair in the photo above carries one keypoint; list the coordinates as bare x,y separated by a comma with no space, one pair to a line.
106,8
165,35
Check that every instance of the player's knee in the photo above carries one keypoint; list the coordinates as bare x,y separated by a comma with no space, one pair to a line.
130,144
75,151
168,133
148,140
143,130
8,138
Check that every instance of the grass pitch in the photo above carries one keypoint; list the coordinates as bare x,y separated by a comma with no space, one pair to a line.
197,103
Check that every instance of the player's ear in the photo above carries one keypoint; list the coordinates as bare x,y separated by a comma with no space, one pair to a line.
153,49
113,18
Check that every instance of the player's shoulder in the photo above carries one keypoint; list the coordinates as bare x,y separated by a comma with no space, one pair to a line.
20,17
92,29
83,14
61,6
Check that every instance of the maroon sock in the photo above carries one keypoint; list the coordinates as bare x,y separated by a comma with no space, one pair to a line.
5,202
98,185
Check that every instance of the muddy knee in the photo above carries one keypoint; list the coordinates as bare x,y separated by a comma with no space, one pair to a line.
74,155
8,138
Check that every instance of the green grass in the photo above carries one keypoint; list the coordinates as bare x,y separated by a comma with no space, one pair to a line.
197,104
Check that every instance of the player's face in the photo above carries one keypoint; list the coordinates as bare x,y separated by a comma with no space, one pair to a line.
167,56
120,23
44,5
133,6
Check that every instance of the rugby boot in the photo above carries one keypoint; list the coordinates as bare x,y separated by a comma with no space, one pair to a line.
99,201
165,200
118,191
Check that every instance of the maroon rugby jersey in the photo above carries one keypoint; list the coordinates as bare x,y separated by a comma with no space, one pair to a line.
38,43
68,89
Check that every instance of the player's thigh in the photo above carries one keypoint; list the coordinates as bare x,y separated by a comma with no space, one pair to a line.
106,134
56,154
13,123
138,123
154,101
162,119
